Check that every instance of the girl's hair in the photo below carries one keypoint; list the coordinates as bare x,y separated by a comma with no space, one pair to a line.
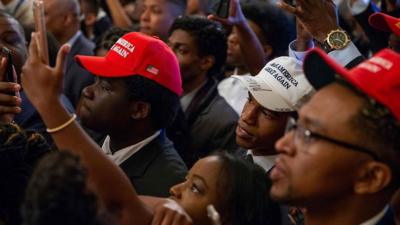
57,193
19,152
244,192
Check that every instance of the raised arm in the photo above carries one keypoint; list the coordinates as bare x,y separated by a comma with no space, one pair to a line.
251,48
43,86
118,14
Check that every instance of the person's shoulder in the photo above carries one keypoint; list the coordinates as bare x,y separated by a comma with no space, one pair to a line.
167,162
84,45
220,107
388,218
167,150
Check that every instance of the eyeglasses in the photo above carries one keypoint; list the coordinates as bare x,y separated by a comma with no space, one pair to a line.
306,136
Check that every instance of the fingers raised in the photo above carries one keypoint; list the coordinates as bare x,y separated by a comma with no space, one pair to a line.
61,58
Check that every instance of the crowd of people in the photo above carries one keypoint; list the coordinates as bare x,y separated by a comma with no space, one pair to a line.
166,112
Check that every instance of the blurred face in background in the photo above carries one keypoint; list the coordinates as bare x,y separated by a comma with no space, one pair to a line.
157,17
12,37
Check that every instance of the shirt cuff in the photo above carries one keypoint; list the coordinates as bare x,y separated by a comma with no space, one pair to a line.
346,55
359,6
295,54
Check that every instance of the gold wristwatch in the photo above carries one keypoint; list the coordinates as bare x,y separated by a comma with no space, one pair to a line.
336,39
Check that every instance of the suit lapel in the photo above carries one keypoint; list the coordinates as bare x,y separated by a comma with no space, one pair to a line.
137,164
388,218
74,51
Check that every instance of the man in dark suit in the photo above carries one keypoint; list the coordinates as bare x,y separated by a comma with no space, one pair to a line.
343,152
135,97
200,46
62,20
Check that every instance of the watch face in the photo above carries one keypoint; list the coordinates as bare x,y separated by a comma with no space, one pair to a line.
337,39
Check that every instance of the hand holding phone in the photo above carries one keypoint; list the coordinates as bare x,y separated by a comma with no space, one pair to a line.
9,76
10,73
40,27
223,8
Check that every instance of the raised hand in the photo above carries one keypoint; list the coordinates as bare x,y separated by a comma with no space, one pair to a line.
10,102
235,17
42,83
250,45
319,17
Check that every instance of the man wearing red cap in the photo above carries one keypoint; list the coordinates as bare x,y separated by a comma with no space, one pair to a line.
387,23
135,97
340,160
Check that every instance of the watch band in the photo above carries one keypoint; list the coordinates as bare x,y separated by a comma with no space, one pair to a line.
324,46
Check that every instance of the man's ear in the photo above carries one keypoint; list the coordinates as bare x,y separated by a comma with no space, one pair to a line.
207,62
372,178
140,110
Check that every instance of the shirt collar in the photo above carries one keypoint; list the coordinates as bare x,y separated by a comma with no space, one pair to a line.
187,99
72,40
123,154
265,161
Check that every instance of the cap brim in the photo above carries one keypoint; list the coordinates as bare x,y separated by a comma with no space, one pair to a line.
384,22
320,69
264,94
100,66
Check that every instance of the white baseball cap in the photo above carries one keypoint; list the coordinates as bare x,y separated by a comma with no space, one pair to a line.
280,86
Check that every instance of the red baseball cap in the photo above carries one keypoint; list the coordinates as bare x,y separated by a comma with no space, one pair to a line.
137,54
377,77
384,22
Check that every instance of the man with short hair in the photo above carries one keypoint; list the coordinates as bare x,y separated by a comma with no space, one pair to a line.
272,28
340,160
158,16
17,107
95,21
135,97
273,96
62,20
200,46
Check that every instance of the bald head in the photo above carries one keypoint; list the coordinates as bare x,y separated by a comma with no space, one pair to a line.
62,18
71,6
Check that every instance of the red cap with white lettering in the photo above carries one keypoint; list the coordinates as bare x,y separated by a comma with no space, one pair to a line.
137,54
377,77
384,22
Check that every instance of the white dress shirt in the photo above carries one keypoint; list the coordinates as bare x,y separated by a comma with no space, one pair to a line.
123,154
234,92
341,56
265,161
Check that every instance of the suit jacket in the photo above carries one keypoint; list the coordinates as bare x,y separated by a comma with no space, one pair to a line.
76,78
388,218
210,124
155,168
